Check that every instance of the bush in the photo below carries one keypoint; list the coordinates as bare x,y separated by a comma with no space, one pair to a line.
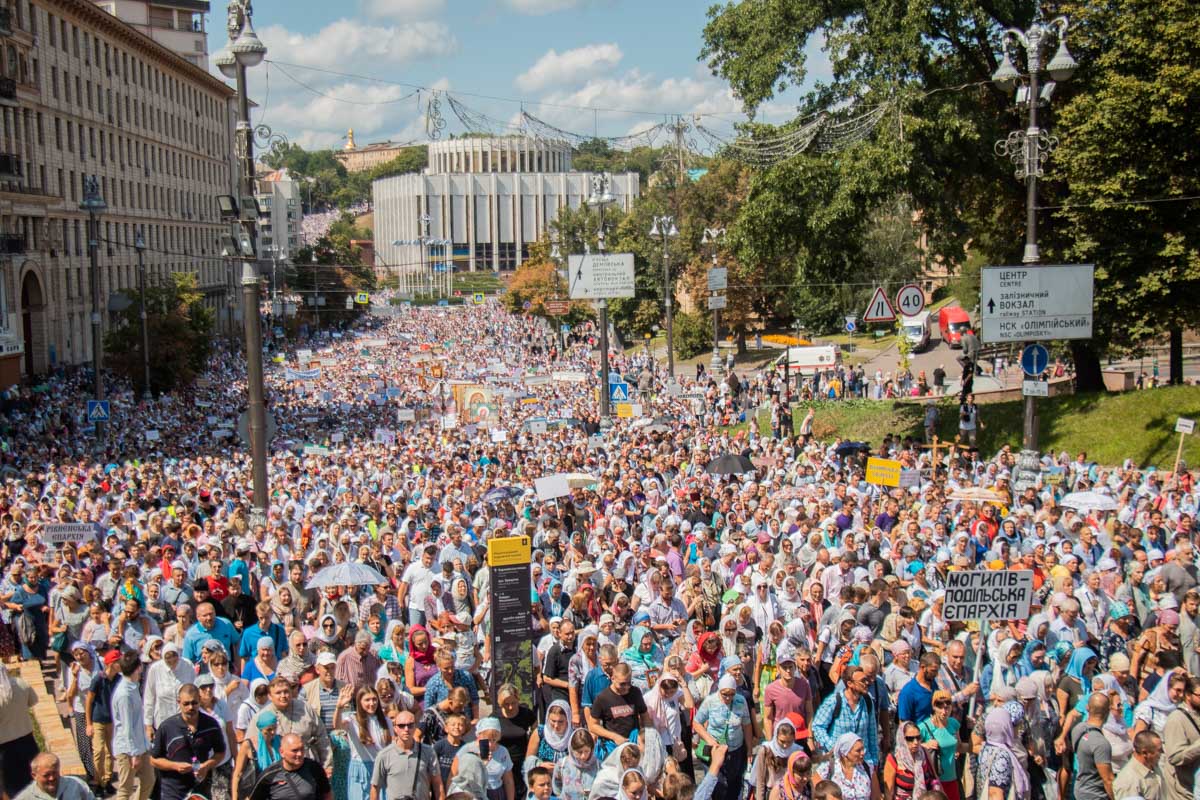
693,334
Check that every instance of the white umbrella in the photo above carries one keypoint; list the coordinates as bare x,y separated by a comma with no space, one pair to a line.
348,573
1089,501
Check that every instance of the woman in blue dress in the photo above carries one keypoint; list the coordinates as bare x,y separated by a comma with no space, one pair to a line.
550,743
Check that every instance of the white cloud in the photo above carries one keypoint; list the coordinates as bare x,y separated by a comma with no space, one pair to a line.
348,41
539,7
568,67
404,9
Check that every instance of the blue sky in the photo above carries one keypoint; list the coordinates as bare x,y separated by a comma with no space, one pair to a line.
564,58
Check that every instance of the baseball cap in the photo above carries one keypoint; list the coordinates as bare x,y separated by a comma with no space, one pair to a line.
205,680
111,657
325,659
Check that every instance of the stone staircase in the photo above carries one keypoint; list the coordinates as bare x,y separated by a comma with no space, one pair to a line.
53,718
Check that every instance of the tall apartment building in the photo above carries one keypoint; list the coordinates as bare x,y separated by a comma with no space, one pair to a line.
82,93
175,24
278,228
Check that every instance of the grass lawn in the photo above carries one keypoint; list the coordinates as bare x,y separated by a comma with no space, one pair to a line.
1109,427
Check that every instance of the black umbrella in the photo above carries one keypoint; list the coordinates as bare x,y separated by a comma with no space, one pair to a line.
845,448
502,493
729,464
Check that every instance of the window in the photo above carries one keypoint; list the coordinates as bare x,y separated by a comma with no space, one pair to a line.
54,81
53,30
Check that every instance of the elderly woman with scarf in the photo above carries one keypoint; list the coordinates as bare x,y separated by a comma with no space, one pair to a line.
1000,766
1003,669
847,769
84,667
584,660
670,704
161,685
644,657
707,656
910,769
1151,714
1033,658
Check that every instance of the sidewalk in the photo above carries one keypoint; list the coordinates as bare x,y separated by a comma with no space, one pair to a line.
49,717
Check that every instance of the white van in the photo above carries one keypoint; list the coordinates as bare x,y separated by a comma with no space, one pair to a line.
916,330
811,360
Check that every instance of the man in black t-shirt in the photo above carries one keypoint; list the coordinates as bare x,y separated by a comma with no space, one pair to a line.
186,748
618,710
558,660
292,777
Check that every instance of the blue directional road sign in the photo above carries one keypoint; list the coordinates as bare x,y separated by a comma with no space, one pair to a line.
98,411
850,326
1034,360
618,392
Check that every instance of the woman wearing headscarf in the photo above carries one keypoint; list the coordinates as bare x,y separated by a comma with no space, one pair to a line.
1003,669
1078,678
421,665
1151,714
395,643
910,769
847,769
84,667
795,784
490,777
666,704
766,667
549,742
161,685
725,718
644,657
1033,658
330,634
729,636
707,656
574,775
770,763
763,607
999,761
258,751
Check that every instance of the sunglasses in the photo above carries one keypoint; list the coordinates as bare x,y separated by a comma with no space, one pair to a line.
404,725
912,738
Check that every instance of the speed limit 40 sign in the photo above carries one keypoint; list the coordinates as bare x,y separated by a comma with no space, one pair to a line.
910,300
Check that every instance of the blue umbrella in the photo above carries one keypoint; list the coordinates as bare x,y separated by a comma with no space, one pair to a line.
348,573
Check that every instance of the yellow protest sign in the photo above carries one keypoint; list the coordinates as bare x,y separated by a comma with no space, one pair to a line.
883,471
508,550
625,410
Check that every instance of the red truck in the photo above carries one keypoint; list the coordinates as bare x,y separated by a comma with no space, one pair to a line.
953,322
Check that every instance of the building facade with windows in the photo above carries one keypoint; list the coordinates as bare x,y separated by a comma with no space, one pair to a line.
82,93
280,216
361,159
491,197
175,24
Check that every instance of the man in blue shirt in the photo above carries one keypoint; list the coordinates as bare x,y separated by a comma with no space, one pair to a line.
915,702
209,626
596,681
264,629
239,566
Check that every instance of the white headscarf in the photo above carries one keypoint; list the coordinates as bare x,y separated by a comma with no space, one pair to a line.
556,740
779,750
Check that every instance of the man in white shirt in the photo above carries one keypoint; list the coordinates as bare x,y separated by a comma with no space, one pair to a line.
415,583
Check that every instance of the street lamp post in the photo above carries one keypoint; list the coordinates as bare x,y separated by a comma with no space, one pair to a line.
244,51
715,236
93,203
1028,151
556,257
600,197
140,244
316,293
664,229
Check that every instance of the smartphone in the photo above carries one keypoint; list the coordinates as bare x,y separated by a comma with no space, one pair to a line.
485,749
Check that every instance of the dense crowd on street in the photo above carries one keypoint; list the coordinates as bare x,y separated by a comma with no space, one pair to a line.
715,612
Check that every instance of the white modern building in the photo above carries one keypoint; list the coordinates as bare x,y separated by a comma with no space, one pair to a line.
279,214
489,197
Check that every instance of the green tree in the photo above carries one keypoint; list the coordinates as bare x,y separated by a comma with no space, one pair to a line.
180,330
693,335
1130,133
336,274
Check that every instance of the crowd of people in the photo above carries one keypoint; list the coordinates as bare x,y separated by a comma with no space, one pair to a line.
774,629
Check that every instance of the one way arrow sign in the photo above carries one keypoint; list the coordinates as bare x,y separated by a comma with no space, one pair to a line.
991,306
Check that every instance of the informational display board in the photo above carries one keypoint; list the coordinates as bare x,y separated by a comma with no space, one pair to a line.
601,276
988,595
511,616
1031,303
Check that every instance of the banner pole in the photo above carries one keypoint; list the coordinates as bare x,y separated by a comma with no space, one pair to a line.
983,634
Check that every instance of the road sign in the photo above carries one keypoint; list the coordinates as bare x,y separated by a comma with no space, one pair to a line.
910,300
988,595
1184,425
718,279
1034,360
443,302
557,308
477,298
1020,304
98,411
618,392
1035,388
851,324
880,308
717,302
601,276
362,298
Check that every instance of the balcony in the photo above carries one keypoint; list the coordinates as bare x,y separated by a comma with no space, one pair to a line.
5,22
10,167
8,92
12,244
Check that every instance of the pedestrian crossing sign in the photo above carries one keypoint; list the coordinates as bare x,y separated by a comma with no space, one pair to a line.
362,298
618,392
98,411
477,298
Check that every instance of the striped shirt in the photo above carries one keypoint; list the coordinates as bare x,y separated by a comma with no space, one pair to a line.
836,716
